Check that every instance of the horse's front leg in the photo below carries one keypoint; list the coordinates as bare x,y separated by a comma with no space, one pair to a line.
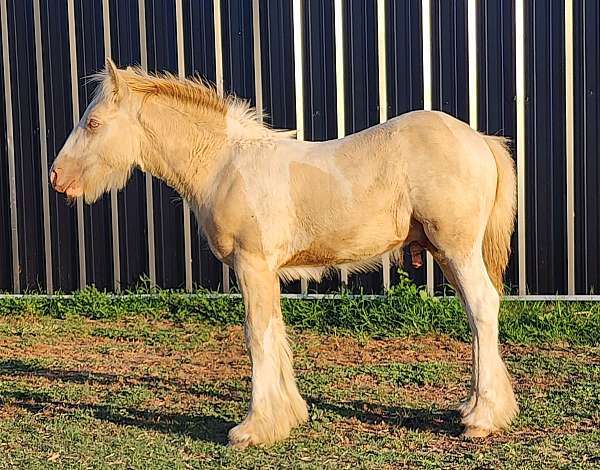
276,406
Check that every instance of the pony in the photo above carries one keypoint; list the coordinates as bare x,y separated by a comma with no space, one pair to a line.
273,207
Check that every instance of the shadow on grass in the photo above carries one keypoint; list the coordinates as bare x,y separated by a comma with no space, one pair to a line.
415,419
203,428
20,368
206,428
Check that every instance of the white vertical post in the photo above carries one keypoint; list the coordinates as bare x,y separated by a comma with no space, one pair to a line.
75,104
383,115
426,12
14,228
39,65
148,176
220,90
114,208
340,87
520,75
570,150
257,58
187,226
299,84
472,40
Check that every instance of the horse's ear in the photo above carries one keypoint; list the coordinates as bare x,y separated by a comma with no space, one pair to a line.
119,87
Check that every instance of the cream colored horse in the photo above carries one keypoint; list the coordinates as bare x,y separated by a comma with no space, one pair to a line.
273,207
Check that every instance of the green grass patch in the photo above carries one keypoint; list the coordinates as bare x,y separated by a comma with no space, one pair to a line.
175,337
406,310
83,408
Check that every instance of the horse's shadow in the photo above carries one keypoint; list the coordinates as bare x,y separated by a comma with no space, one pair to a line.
205,428
438,421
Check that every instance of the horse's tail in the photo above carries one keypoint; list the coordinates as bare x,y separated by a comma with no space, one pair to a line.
496,241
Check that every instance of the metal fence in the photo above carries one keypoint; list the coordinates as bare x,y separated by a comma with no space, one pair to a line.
528,69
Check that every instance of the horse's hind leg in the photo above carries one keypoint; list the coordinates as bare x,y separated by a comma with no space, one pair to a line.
492,404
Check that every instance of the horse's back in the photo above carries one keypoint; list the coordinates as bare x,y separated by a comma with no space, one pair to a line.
425,154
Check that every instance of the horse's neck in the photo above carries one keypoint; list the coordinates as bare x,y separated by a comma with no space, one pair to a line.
182,147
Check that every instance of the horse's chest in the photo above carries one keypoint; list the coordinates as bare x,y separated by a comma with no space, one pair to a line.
217,235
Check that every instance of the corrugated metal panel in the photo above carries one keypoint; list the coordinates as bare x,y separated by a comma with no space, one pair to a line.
57,88
90,58
497,85
545,127
26,145
405,51
319,76
546,237
133,233
277,48
6,283
587,144
450,66
168,213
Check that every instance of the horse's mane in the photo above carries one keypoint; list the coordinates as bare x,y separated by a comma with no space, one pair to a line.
194,91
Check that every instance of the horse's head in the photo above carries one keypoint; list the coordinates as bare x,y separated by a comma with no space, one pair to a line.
105,145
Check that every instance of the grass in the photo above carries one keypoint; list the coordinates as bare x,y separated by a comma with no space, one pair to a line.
145,393
155,379
406,311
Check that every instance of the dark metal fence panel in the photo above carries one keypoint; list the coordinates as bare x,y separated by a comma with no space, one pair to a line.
277,58
587,145
545,160
238,55
26,145
6,283
497,44
496,83
133,233
319,71
90,58
59,122
168,207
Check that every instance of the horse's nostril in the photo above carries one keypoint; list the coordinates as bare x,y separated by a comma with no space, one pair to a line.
54,176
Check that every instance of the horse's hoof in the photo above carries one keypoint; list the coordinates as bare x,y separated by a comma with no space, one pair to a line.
239,444
245,435
241,438
475,433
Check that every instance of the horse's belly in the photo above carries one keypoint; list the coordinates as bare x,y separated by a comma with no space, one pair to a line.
348,244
